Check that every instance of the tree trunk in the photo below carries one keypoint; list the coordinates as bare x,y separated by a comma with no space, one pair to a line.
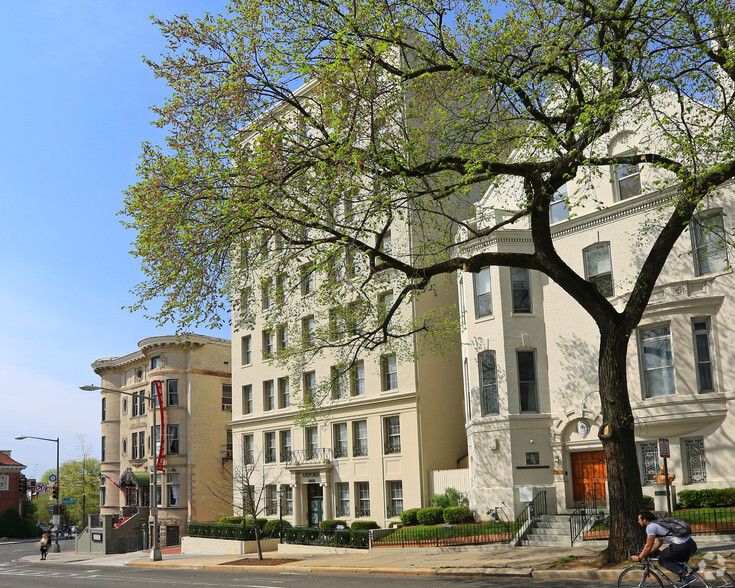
625,497
257,537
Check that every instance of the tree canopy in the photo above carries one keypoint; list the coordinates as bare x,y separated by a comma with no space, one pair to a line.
316,127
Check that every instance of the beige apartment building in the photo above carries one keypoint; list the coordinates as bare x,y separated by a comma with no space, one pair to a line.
197,407
530,353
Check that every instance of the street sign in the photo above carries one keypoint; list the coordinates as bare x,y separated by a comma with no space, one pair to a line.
40,487
52,478
68,501
56,519
663,447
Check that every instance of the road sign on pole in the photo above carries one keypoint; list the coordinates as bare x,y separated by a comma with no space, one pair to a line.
40,487
52,478
663,447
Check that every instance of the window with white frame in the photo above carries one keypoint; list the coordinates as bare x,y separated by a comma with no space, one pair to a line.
488,383
307,331
267,294
702,355
559,207
271,499
657,360
359,438
269,395
337,382
284,392
269,447
246,350
395,498
226,396
141,402
362,492
343,499
385,301
287,499
309,386
392,435
172,392
696,464
598,268
134,446
247,399
627,178
527,383
357,378
267,344
649,463
282,337
141,444
339,435
312,441
709,242
308,280
172,439
248,449
483,296
155,362
281,287
386,245
4,482
285,445
335,323
389,372
520,279
172,487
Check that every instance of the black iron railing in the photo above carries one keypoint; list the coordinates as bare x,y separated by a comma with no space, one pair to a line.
535,509
360,449
362,512
343,511
394,511
270,456
333,538
340,452
586,513
394,447
448,535
317,455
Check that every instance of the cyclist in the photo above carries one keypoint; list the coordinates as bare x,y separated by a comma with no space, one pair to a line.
678,552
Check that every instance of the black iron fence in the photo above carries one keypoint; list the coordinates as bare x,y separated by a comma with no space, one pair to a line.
125,545
535,509
447,535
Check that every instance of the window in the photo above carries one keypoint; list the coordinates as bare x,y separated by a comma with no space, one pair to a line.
339,432
248,450
245,302
709,243
172,439
156,436
627,179
271,499
395,498
281,286
246,350
309,386
154,394
285,446
141,443
228,444
658,361
559,208
125,405
124,446
269,395
598,268
488,383
172,393
389,372
312,441
103,448
226,396
355,318
267,294
386,245
307,331
269,447
247,399
353,262
155,362
282,337
308,280
172,487
104,409
702,355
385,301
649,463
141,402
135,405
287,499
343,499
392,432
335,324
527,388
284,393
134,446
357,379
267,344
103,496
520,279
359,438
483,297
266,246
362,492
696,469
337,382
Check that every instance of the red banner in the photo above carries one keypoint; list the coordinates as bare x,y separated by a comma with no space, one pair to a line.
159,393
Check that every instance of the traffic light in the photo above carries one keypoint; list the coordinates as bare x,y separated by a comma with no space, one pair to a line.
55,492
62,508
22,485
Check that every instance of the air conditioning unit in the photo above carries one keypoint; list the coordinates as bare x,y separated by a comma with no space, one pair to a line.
226,407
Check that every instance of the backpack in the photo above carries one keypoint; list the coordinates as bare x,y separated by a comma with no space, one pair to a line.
675,527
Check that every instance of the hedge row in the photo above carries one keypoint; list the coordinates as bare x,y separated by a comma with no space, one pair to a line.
268,530
707,498
452,515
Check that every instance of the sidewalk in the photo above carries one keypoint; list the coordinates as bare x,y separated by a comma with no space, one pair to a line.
489,560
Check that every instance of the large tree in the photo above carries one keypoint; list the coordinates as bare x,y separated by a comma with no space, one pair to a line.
411,108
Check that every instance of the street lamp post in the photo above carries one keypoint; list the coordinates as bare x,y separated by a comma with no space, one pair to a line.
55,547
156,549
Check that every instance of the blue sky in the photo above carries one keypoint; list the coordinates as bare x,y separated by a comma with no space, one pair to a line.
75,108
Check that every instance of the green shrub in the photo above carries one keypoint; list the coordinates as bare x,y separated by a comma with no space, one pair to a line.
707,498
11,524
456,498
364,525
408,517
332,524
648,502
230,520
430,516
271,528
455,515
440,500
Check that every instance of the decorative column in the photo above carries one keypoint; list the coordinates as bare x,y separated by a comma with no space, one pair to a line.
298,519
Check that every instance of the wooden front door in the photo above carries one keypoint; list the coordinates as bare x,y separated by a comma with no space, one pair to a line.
589,475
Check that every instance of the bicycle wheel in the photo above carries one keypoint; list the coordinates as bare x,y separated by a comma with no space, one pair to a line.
636,577
715,577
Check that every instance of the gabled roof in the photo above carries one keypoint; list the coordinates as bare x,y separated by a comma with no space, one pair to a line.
7,461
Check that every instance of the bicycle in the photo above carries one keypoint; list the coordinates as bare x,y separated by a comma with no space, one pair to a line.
649,574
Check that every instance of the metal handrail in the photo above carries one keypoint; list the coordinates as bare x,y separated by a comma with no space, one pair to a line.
583,514
535,509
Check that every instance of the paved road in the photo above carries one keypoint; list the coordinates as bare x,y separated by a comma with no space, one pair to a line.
15,574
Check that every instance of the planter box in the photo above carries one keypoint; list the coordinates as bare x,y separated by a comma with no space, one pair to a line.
204,545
